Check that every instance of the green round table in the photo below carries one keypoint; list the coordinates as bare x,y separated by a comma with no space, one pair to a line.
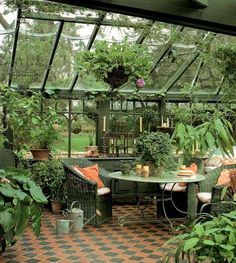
165,178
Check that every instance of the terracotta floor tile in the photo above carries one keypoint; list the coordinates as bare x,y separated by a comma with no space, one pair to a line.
106,243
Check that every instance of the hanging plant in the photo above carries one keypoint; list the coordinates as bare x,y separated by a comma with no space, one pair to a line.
76,127
226,59
116,63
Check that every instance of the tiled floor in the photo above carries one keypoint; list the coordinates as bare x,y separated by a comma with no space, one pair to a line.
108,242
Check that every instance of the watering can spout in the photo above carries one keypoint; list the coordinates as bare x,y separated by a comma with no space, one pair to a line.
77,215
97,213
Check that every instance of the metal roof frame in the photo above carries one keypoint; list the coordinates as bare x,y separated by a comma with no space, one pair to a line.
101,20
210,15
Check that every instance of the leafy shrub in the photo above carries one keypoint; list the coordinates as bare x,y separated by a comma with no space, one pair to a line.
21,200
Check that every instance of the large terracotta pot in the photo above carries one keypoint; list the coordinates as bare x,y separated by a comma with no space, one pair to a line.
56,206
40,154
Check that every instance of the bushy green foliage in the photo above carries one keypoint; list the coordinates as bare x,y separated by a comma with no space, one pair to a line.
134,58
226,58
156,147
50,176
21,200
33,128
212,241
216,133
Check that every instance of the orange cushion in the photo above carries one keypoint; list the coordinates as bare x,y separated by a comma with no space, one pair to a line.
228,161
193,167
232,176
90,173
224,178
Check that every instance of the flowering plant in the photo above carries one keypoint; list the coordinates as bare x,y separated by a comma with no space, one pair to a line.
133,61
140,83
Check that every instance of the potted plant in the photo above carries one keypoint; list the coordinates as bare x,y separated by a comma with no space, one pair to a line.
49,175
155,147
21,203
44,135
116,63
210,241
33,127
197,140
91,150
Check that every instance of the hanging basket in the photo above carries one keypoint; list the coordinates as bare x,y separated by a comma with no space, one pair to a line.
117,77
76,130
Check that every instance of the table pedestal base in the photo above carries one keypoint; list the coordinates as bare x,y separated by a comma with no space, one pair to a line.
140,211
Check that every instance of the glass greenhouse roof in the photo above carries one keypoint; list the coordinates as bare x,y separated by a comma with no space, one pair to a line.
38,49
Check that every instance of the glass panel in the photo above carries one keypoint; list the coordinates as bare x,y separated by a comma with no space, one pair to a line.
33,52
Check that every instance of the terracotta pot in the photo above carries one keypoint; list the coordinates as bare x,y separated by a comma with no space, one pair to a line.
40,154
56,205
91,151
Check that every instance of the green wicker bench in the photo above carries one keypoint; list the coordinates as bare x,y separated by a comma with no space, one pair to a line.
216,206
85,191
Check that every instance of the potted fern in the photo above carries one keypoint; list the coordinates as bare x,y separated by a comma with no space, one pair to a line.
116,63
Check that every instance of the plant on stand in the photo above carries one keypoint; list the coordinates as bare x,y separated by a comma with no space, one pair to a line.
33,127
156,148
116,63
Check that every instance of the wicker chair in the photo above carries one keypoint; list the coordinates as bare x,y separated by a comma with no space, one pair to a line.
216,206
85,191
7,158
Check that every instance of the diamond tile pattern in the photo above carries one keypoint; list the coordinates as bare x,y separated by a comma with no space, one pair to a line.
109,242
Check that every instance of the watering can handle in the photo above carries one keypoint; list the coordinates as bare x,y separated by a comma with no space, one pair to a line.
65,214
71,207
53,223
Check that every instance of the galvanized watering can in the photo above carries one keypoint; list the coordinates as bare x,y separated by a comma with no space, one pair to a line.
63,226
76,215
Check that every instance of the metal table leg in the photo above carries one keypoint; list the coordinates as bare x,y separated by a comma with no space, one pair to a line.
170,198
140,210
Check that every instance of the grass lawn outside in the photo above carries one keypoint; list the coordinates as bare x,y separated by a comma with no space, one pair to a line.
78,142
